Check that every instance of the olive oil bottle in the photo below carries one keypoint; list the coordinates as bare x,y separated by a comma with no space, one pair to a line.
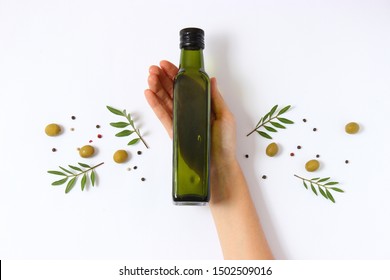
191,123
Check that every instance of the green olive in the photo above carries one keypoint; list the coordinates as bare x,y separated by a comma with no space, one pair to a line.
120,156
86,151
352,128
312,165
52,129
272,149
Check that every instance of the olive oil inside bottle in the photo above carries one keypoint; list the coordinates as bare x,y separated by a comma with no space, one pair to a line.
191,139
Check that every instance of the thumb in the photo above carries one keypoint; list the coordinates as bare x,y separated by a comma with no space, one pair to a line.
218,105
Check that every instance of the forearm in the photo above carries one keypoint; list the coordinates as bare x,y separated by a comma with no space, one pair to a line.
238,226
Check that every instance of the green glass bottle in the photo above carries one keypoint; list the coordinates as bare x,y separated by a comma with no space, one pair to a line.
191,123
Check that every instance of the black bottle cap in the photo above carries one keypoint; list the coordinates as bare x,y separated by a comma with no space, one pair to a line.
191,38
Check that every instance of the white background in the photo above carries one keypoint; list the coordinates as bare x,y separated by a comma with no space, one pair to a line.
329,59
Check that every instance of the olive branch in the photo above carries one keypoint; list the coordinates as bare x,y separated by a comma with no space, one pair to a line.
323,185
269,122
129,122
68,174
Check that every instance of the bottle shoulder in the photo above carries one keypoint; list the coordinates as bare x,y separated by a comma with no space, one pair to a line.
192,73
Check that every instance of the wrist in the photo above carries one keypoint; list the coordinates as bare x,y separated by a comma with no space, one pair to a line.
223,177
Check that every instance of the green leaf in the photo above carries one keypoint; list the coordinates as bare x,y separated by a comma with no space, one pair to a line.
83,181
284,110
331,183
286,121
265,135
330,196
313,189
114,111
71,184
84,165
66,170
259,122
278,125
93,177
56,172
124,133
73,178
273,110
60,182
265,117
322,192
75,168
271,129
337,189
323,179
315,183
119,124
134,141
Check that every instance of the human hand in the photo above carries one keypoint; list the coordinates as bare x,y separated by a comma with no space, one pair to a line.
160,93
238,227
160,98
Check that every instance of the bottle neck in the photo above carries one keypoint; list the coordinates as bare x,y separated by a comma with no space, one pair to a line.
191,59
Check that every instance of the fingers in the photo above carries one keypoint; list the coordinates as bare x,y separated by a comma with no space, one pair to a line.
160,92
164,77
169,68
155,85
159,109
